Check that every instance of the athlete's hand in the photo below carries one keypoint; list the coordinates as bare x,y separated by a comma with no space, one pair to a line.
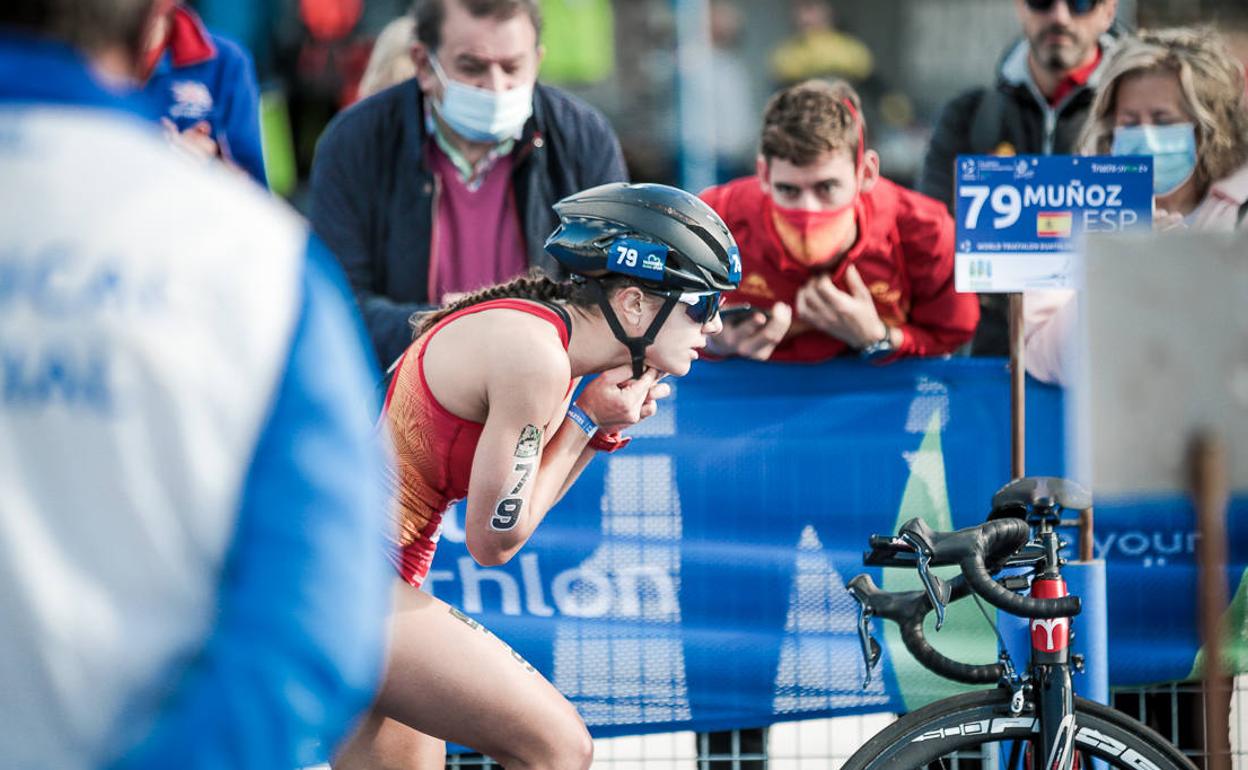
850,316
657,390
615,401
756,337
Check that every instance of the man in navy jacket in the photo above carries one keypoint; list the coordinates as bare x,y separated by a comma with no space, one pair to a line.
443,184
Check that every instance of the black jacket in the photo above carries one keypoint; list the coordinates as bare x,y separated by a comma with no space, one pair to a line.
373,194
1013,118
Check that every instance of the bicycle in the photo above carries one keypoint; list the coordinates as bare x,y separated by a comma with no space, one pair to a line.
1032,715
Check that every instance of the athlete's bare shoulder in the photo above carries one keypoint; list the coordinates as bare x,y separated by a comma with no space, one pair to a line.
478,357
519,342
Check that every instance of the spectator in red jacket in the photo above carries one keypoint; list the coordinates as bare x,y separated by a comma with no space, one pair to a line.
835,258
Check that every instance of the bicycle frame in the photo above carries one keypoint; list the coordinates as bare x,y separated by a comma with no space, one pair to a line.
1050,664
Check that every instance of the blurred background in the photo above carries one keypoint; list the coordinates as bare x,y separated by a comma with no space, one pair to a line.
683,81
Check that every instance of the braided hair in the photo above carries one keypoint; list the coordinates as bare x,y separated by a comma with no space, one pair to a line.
535,285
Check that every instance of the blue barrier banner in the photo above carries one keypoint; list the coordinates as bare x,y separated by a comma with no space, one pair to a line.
696,580
1020,218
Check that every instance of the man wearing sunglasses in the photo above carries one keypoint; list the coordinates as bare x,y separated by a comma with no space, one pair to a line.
1044,89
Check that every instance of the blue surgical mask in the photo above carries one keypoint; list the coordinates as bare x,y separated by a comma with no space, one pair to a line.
481,115
1173,148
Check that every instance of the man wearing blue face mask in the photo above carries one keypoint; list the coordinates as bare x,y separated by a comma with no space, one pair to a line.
445,184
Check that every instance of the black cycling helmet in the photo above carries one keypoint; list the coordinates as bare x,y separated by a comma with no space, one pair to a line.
667,240
688,245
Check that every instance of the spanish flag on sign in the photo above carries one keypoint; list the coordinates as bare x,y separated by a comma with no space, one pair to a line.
1053,224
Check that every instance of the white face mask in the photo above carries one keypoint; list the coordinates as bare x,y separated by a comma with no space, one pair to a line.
481,115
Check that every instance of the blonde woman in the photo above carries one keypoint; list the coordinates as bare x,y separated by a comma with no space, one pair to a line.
390,63
1179,96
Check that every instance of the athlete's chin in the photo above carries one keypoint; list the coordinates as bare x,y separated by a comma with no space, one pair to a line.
672,368
681,368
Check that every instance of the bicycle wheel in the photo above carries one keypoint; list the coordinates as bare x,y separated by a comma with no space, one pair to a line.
975,730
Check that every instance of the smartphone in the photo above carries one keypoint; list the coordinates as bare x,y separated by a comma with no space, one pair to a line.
735,314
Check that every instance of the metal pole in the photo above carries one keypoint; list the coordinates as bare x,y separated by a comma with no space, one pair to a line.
695,94
1210,494
1018,380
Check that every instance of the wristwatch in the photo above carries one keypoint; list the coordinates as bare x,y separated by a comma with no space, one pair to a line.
880,347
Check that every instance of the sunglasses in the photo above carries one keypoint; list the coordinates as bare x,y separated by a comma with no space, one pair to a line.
702,308
1077,7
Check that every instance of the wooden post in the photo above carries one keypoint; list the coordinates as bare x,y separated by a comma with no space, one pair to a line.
1086,543
1210,493
1018,381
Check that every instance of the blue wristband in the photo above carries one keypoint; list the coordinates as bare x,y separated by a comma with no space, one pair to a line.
578,416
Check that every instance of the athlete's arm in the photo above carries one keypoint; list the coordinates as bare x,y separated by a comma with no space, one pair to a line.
614,402
518,470
587,454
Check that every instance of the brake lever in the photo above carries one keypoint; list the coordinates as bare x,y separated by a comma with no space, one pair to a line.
869,647
937,591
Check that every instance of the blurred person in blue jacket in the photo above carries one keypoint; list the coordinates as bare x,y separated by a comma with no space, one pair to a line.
193,514
205,88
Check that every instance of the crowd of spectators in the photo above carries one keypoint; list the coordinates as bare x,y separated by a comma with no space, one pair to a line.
883,290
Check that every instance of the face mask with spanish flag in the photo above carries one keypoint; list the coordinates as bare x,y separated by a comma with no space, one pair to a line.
814,238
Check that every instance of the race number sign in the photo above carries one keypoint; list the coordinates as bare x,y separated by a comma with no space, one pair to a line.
1020,220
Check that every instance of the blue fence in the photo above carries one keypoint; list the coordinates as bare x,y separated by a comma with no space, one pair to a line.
696,579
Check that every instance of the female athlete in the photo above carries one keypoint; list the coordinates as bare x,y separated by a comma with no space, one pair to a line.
481,406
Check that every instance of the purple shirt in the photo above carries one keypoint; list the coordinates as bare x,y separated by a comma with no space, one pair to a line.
477,238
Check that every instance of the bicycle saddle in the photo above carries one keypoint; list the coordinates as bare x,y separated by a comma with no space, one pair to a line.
1038,494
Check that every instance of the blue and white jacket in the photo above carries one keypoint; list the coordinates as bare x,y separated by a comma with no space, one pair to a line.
192,518
202,77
